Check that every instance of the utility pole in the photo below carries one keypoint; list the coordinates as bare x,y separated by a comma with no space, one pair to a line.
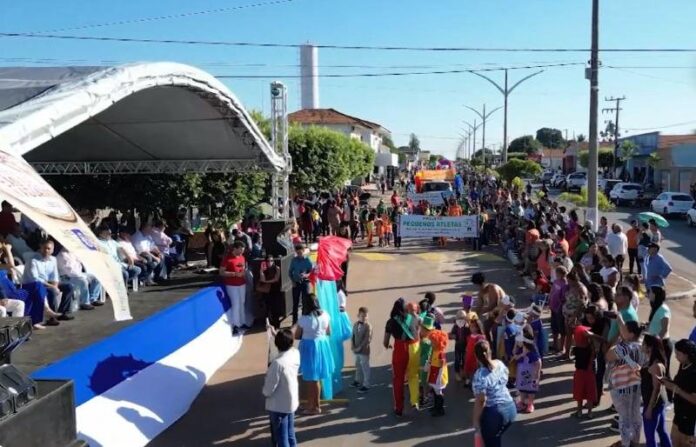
592,168
484,116
506,92
472,130
615,109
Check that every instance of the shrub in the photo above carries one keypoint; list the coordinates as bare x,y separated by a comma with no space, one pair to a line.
580,200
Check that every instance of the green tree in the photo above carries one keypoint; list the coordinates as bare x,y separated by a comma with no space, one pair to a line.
517,155
526,144
263,123
627,150
414,143
605,158
581,138
519,168
551,138
609,132
387,141
324,160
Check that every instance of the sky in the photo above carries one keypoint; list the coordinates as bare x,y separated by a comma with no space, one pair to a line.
431,106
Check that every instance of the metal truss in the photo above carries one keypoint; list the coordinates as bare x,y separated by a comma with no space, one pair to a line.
152,167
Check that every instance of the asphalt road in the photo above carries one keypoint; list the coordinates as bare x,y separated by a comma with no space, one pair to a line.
229,411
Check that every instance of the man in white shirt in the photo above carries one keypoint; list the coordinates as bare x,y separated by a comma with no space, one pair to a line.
146,248
43,269
129,271
281,390
86,285
135,264
617,244
164,245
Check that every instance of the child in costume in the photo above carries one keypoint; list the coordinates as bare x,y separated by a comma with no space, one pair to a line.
528,364
584,383
470,362
426,347
438,377
541,335
460,334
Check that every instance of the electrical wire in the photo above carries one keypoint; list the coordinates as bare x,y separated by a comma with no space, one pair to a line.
165,17
661,127
346,47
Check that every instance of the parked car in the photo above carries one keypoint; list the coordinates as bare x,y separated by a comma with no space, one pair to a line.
557,180
576,181
547,176
437,186
624,192
606,185
672,203
691,217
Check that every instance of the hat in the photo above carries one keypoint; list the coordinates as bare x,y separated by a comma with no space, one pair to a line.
428,322
461,315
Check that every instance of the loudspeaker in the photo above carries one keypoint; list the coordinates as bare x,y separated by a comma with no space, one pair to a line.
275,237
20,386
6,404
13,332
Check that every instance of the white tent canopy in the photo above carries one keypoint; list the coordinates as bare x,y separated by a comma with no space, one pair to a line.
137,118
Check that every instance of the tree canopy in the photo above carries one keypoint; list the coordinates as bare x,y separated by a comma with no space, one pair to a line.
323,159
519,168
414,143
526,143
551,138
605,158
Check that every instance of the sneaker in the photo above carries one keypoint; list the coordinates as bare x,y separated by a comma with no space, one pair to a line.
66,317
529,409
363,389
355,384
52,322
97,303
398,413
40,326
86,307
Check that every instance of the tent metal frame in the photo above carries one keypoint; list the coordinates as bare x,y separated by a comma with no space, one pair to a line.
151,167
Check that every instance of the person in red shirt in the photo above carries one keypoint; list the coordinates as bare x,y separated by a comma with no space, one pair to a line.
7,219
395,200
233,272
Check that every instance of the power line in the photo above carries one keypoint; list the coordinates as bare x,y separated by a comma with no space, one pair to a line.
406,73
165,17
345,47
661,127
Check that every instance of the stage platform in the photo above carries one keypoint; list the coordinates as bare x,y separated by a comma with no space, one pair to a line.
54,343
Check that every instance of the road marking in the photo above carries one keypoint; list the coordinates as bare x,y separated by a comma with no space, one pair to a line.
375,256
434,257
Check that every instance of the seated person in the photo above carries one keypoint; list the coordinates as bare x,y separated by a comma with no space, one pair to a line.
164,244
13,306
7,218
20,248
145,248
131,257
42,281
128,270
7,261
85,284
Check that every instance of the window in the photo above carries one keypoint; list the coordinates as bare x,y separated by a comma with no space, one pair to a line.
631,188
681,198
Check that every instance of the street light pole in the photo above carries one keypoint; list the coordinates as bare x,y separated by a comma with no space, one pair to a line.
592,168
472,129
506,92
484,116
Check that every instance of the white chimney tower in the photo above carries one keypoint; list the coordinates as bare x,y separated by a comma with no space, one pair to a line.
309,70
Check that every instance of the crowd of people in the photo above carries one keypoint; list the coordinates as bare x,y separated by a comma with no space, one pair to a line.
45,281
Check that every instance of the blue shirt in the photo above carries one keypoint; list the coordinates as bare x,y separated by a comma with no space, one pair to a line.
300,265
628,314
493,384
692,336
41,270
657,269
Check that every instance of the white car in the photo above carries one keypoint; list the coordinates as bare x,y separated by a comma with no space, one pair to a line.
557,179
672,203
691,217
625,192
576,181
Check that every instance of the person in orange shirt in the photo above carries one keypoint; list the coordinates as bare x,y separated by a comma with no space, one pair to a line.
562,242
379,230
633,236
387,229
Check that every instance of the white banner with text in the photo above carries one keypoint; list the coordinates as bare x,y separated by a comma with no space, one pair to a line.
435,198
438,226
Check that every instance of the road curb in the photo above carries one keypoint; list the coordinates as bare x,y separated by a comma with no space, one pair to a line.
681,295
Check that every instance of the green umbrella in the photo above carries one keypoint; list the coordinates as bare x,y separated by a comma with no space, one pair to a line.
659,220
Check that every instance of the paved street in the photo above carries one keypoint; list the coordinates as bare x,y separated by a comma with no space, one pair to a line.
230,409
